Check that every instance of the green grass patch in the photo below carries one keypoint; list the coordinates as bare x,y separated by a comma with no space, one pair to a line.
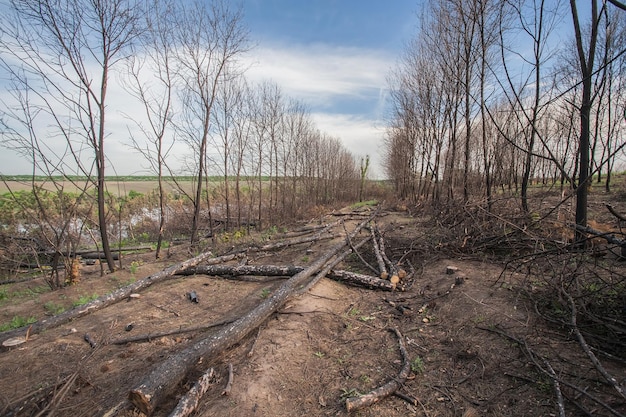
364,204
84,299
53,309
17,322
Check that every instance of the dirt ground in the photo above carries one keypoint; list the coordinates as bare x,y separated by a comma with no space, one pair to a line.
324,346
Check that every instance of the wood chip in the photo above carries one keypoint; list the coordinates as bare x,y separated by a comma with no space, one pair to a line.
14,341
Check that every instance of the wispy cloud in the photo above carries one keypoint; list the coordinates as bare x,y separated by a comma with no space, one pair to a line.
321,74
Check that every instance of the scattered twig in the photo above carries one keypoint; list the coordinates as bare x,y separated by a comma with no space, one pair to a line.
387,389
229,384
407,398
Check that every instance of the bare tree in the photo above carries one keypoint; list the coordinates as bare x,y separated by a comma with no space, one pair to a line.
152,82
209,38
586,59
60,45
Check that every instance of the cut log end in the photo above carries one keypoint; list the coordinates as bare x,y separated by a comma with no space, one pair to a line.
141,401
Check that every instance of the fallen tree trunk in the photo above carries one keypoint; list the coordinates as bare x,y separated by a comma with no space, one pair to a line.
352,278
164,378
107,300
390,387
238,270
362,280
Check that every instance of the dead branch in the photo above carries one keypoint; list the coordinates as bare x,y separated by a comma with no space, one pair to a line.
609,237
615,213
107,300
163,378
381,244
379,258
354,250
189,402
537,358
557,388
581,340
151,336
229,384
390,387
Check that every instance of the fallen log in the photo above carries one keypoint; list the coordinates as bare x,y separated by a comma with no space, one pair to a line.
162,379
390,387
239,270
347,277
362,280
189,402
107,300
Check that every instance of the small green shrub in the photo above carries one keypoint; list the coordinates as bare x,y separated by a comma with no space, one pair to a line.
53,308
417,365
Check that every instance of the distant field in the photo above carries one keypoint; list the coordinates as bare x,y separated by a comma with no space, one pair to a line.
115,186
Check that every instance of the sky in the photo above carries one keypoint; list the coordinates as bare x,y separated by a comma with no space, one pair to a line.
331,55
334,56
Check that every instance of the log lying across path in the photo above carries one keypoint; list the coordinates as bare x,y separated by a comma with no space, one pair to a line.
109,299
163,378
353,278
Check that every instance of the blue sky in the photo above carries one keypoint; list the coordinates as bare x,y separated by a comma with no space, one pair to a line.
334,55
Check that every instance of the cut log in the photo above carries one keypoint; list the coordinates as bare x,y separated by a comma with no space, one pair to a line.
346,277
189,402
162,379
239,270
390,387
362,280
107,300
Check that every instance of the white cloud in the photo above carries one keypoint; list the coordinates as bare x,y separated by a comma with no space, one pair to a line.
361,136
319,74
